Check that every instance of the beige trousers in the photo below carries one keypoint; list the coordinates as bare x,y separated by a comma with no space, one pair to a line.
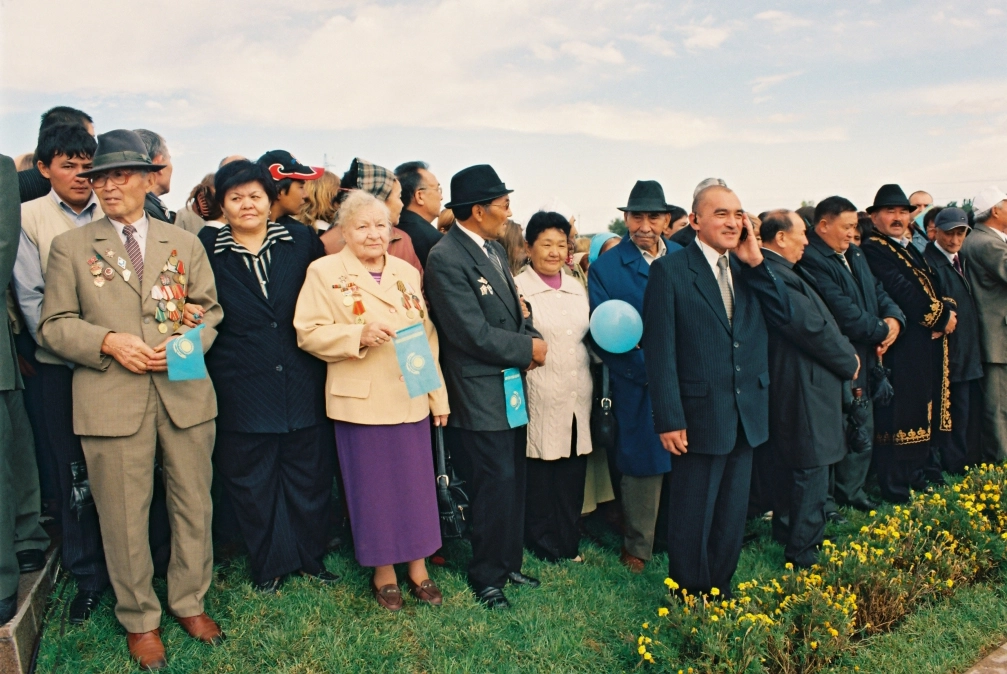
121,472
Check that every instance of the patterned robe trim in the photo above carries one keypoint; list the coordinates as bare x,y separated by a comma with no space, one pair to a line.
910,438
936,307
945,424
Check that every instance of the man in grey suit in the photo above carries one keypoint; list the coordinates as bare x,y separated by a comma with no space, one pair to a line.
22,540
810,361
475,305
985,253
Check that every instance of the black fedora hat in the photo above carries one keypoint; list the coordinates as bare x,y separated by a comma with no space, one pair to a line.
477,184
889,196
118,149
647,196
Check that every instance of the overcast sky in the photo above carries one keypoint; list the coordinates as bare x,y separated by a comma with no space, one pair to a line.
567,100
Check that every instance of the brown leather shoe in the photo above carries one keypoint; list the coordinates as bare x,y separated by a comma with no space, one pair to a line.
426,591
634,564
389,596
146,648
203,628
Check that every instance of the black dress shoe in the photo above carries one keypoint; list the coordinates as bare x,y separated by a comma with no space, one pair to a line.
83,605
492,598
518,578
864,506
30,560
269,586
8,608
323,576
835,518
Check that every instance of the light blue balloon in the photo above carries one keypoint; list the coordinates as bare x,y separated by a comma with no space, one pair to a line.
616,326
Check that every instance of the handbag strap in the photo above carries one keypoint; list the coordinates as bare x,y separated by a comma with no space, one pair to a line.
604,381
440,457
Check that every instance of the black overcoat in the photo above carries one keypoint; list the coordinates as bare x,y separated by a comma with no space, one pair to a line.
810,361
964,357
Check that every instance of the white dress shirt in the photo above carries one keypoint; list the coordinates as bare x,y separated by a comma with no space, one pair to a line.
949,256
661,250
475,237
140,235
711,257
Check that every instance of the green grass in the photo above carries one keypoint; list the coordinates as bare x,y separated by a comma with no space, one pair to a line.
582,619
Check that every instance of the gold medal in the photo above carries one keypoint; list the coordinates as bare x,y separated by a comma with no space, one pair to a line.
360,320
181,279
162,328
412,314
171,306
99,281
96,269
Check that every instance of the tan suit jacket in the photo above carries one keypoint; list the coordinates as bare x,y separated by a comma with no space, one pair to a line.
108,399
364,385
985,253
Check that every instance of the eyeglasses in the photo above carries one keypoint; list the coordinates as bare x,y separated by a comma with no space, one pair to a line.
439,189
117,176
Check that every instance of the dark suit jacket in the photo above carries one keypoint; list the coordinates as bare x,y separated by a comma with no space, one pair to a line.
857,300
621,274
481,329
684,236
423,234
264,383
964,361
810,361
155,208
32,184
10,237
708,374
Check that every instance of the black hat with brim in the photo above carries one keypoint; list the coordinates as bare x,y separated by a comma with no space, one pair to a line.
120,149
890,196
647,196
477,184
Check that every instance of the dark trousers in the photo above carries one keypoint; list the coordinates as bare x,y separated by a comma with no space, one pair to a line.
960,445
35,407
847,478
281,487
799,512
494,465
707,503
82,552
899,470
766,476
555,497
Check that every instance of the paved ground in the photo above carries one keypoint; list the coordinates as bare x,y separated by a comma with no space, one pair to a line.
994,663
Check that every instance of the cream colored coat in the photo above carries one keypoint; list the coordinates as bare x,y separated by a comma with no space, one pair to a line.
363,385
562,388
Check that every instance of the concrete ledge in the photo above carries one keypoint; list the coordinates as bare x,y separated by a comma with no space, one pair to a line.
17,638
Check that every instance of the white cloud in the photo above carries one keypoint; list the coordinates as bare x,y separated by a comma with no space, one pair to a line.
653,43
761,84
782,21
590,54
705,35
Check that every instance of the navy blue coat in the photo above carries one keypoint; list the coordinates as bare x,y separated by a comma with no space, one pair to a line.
621,274
264,383
708,374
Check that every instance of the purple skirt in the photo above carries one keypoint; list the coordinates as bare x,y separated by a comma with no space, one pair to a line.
388,479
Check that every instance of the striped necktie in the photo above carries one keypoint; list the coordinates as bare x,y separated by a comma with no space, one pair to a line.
726,293
133,250
494,259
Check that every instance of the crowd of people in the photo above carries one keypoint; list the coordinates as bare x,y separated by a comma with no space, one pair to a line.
795,362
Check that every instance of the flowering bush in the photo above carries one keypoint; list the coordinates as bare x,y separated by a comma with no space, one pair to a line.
800,621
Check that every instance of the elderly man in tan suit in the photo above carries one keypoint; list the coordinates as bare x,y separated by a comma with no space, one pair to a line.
115,292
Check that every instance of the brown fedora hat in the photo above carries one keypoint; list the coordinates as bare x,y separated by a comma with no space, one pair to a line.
120,149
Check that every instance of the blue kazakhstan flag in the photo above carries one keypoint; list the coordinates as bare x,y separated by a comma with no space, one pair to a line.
185,357
517,410
416,361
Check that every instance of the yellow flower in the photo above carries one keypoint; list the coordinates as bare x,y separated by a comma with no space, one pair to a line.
872,513
646,626
714,618
950,582
641,650
714,592
639,641
662,611
788,566
648,657
814,645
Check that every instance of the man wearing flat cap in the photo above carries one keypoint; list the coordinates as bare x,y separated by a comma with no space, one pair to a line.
985,253
903,430
116,289
475,305
965,369
640,457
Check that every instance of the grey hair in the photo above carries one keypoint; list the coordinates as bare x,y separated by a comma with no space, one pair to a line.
698,199
709,182
154,142
984,215
355,203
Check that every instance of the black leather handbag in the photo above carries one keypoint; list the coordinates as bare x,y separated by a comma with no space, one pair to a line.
452,501
603,424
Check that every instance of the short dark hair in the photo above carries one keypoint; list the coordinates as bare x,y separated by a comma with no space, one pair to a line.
864,224
410,179
676,212
63,114
773,223
282,185
542,221
72,140
463,213
154,142
930,216
830,207
241,172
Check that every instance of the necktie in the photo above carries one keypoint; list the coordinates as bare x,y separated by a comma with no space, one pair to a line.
133,250
846,262
726,293
957,264
494,259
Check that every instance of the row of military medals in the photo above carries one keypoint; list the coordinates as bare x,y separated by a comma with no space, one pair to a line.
169,292
353,298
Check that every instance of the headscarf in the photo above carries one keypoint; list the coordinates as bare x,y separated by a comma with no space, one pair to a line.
597,241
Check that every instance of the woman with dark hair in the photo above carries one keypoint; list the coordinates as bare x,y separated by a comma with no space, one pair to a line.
274,451
559,393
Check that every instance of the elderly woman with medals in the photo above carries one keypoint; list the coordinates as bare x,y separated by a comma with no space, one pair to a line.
361,311
274,453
